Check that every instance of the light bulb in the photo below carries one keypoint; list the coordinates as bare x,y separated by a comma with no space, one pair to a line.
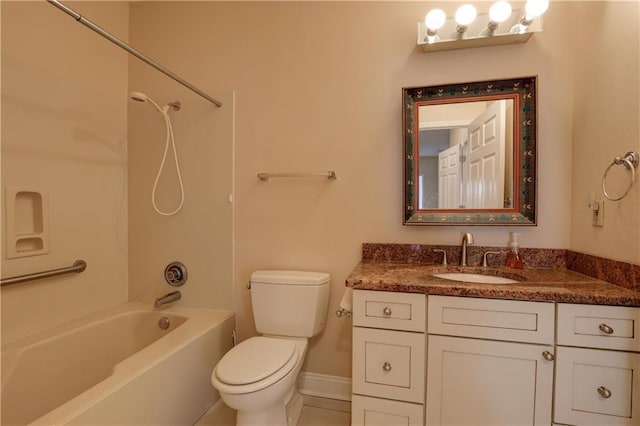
435,19
535,8
465,15
500,11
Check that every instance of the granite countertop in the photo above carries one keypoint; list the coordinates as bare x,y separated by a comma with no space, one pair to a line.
554,285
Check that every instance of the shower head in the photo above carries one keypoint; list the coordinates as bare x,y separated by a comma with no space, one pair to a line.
139,96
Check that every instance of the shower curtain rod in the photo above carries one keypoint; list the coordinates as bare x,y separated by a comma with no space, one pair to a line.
131,50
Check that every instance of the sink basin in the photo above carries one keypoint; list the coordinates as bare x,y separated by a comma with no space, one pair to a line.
475,278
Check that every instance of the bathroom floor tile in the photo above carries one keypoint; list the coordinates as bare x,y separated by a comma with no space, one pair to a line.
218,415
315,412
315,416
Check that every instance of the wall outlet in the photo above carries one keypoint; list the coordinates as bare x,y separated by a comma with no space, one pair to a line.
598,213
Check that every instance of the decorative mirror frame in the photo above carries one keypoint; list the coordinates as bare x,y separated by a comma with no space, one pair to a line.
524,151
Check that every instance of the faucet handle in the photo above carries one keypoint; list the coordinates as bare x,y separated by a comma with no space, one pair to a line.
444,256
484,258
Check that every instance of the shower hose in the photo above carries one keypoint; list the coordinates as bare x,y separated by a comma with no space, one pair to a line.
169,141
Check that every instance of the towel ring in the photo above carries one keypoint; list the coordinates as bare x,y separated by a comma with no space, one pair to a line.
630,161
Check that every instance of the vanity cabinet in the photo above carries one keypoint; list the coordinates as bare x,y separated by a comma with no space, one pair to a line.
495,358
436,360
388,358
598,365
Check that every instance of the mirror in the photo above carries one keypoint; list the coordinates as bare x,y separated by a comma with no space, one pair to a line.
470,153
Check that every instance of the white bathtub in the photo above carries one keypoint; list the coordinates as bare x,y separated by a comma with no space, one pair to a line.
117,367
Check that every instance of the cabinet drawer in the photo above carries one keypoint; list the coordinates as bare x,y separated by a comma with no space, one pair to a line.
510,320
367,411
389,364
597,387
385,309
607,327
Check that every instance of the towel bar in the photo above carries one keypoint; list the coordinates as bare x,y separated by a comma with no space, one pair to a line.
265,176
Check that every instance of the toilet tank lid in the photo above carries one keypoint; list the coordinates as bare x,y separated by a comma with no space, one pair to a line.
290,277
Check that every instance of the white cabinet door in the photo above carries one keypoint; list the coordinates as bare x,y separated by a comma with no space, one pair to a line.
597,387
480,382
367,411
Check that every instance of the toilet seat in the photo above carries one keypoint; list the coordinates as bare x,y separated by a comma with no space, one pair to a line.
255,364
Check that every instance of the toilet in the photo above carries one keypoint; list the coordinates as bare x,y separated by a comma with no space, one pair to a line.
258,377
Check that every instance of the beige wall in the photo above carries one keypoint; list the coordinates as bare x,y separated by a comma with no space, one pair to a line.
64,129
200,235
606,125
318,87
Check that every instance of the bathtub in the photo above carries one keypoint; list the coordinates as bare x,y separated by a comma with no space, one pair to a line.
117,367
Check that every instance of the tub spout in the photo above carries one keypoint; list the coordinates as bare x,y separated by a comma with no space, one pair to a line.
167,298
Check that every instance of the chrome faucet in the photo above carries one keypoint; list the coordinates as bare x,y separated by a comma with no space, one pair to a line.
167,298
467,239
485,263
444,256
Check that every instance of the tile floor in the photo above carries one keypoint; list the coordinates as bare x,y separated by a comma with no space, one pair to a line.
315,412
325,412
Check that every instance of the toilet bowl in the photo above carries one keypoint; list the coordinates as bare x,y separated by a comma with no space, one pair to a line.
258,379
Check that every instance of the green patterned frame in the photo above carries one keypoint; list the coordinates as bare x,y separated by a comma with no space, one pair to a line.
523,90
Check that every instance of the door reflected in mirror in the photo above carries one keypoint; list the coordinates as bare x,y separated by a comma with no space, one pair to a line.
466,155
470,153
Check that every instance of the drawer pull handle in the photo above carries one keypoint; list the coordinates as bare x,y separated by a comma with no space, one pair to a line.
604,392
548,356
605,329
386,311
386,366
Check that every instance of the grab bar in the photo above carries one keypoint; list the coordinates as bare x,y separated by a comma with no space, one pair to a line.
78,266
265,176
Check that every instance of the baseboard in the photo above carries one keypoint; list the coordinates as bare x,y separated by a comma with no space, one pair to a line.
324,386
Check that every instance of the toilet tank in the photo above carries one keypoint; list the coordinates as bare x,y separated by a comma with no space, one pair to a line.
290,303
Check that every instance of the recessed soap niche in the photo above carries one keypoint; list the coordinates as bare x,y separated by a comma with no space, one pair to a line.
27,215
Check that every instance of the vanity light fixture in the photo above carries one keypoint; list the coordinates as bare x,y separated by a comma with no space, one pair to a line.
501,24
